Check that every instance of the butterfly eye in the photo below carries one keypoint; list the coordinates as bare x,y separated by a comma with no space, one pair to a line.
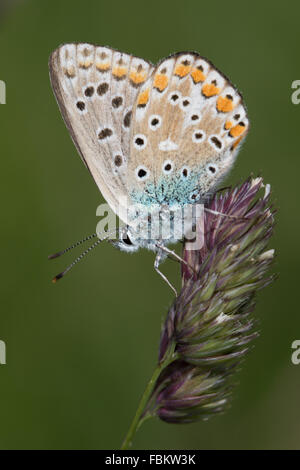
167,167
140,141
212,169
185,172
142,173
127,241
198,136
154,122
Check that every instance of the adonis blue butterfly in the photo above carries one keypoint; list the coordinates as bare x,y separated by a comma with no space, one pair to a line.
156,139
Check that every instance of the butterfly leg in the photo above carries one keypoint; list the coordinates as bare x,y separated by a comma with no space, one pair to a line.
173,253
157,262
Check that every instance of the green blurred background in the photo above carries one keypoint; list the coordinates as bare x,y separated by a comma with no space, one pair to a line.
79,353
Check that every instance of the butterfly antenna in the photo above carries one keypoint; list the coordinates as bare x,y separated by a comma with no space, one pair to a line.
83,254
59,253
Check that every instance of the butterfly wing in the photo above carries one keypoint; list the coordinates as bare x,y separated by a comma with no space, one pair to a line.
188,124
96,88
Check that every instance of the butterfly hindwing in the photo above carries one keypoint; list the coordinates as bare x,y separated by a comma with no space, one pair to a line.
96,88
188,122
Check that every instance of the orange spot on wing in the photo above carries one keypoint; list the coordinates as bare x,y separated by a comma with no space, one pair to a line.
119,72
237,130
137,78
143,97
209,89
236,143
182,70
224,104
197,75
228,125
160,82
103,66
85,64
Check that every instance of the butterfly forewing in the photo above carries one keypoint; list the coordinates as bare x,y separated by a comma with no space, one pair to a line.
96,88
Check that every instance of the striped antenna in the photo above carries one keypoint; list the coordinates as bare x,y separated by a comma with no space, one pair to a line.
90,237
63,273
59,253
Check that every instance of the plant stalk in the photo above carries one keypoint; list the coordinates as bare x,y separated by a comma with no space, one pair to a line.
139,418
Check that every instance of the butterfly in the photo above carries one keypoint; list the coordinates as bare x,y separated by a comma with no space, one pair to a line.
157,137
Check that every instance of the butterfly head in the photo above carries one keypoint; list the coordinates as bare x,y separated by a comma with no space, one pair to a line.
127,241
